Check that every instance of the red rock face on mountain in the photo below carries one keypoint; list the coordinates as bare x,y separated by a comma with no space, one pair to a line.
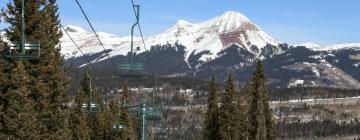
231,38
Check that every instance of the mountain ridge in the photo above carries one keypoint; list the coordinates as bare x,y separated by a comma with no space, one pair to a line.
212,47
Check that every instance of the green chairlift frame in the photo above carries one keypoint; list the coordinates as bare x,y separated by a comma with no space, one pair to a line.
90,106
132,69
147,113
23,50
160,131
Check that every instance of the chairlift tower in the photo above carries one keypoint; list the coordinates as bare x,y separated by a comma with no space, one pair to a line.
23,50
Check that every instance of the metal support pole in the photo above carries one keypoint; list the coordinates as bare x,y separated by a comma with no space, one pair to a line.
132,38
143,122
22,27
90,91
155,92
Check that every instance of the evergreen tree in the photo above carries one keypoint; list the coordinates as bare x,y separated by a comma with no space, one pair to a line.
229,125
125,94
78,116
97,120
17,109
128,132
269,121
212,114
243,117
262,127
46,74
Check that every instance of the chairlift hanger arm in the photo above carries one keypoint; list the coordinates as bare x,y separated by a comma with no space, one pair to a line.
22,50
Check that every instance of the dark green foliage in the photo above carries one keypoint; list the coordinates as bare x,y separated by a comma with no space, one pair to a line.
46,81
16,106
79,118
98,121
212,114
319,128
261,121
124,118
243,117
228,118
302,93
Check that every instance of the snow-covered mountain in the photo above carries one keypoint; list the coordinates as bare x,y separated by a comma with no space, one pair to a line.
211,47
213,35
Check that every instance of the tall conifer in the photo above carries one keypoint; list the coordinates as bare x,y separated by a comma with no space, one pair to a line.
46,74
262,127
212,114
229,125
125,120
78,117
17,119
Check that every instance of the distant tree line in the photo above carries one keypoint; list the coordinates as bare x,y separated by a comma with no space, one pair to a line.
285,94
317,128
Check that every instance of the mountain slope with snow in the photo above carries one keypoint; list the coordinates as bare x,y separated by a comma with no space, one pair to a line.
341,46
213,35
229,41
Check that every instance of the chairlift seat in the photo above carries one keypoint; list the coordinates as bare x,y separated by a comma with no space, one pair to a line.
31,51
160,131
93,107
154,115
119,126
133,70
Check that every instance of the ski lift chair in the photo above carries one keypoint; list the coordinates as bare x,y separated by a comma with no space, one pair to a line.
131,70
154,113
91,107
119,127
24,52
160,131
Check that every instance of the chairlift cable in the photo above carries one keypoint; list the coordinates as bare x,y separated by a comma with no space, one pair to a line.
96,35
142,38
77,46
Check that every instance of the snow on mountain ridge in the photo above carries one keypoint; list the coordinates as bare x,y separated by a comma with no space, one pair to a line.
75,29
316,47
213,35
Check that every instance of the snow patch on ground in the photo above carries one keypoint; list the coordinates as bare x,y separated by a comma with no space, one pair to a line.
294,83
316,71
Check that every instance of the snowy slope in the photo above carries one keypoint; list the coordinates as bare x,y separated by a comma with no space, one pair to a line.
207,35
317,47
89,44
213,35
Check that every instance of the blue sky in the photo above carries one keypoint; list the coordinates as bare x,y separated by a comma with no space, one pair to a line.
292,21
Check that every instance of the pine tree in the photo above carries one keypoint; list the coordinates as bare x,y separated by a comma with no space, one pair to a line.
124,118
97,120
212,114
78,117
269,122
46,74
243,117
17,109
125,94
262,127
229,125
